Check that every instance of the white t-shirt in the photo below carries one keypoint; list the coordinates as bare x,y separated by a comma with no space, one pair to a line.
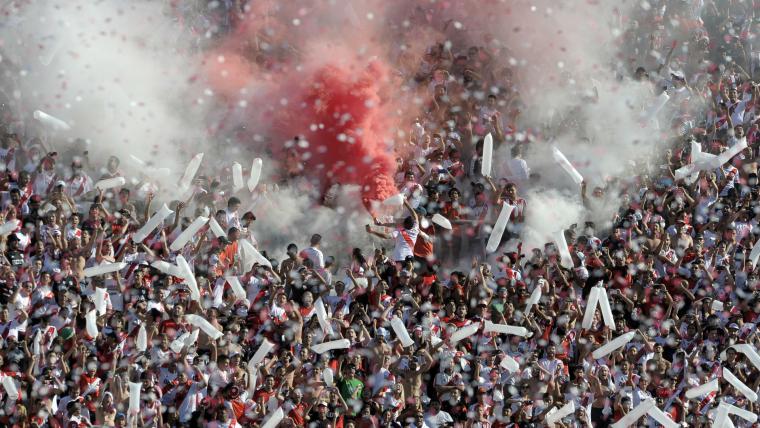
404,249
315,255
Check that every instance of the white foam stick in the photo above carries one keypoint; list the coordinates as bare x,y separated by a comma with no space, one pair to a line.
189,277
187,234
739,385
100,300
260,353
216,229
51,122
319,308
660,416
721,417
604,304
275,419
10,387
179,343
564,411
505,329
441,221
588,316
92,323
401,332
104,268
613,344
254,253
464,332
110,183
395,200
204,325
321,348
750,353
152,223
564,253
134,397
237,176
567,166
137,161
510,364
703,389
535,296
327,375
8,227
634,415
236,287
753,255
657,105
190,171
142,339
498,229
255,174
167,268
485,166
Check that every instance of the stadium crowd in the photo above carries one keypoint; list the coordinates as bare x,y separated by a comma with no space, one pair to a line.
676,264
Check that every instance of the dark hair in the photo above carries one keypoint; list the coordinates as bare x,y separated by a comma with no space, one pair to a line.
315,239
233,201
409,222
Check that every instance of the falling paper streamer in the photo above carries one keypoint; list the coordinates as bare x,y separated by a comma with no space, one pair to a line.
92,323
8,227
10,387
187,234
321,348
565,259
535,296
110,183
191,338
593,300
716,306
658,104
51,122
179,343
509,363
739,385
701,390
485,166
237,288
190,171
401,332
275,419
37,343
216,229
395,200
612,345
134,397
327,375
142,339
441,221
742,413
260,353
253,181
137,161
755,253
237,176
567,166
750,353
634,415
167,268
204,325
706,161
103,269
564,411
100,300
152,223
464,332
319,307
604,303
498,229
189,277
660,416
505,329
